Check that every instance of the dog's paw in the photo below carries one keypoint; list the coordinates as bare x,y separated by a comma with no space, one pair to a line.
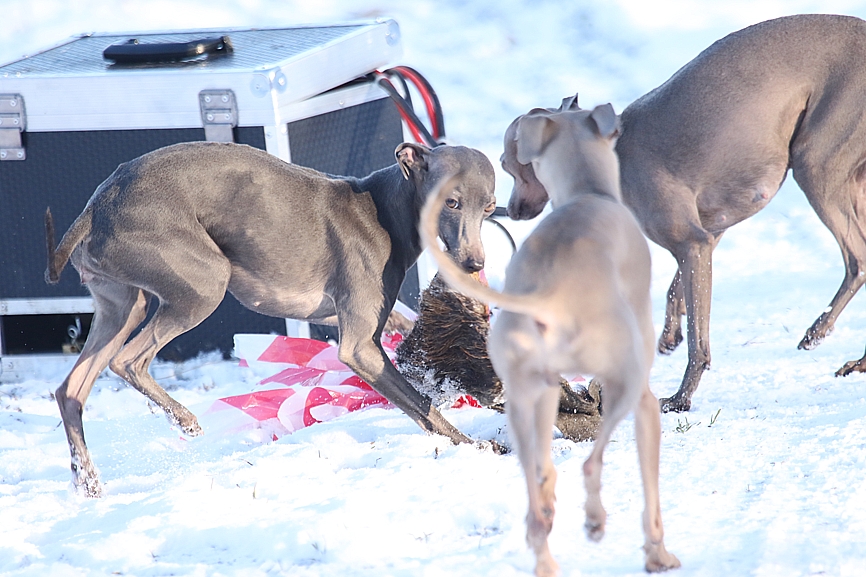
675,404
85,480
545,566
816,334
668,342
658,559
192,429
594,530
188,425
810,342
181,418
858,366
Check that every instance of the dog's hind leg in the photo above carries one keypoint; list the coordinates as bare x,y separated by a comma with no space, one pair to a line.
648,436
545,416
531,410
614,412
133,360
696,266
180,309
845,215
622,382
675,309
118,310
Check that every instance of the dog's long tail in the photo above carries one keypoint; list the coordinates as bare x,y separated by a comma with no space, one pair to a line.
58,256
456,277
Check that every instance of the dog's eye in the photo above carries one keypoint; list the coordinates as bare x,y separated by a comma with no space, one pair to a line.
452,203
490,207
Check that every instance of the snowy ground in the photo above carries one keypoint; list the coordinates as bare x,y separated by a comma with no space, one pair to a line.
773,486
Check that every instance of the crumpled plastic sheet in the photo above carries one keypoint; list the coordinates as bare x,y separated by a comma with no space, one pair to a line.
307,384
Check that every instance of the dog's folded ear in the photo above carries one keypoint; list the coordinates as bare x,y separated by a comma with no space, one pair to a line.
534,133
411,157
606,121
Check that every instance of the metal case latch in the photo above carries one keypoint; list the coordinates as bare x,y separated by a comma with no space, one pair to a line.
12,124
219,114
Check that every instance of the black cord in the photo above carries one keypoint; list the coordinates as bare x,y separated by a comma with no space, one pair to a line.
393,75
407,110
428,88
505,230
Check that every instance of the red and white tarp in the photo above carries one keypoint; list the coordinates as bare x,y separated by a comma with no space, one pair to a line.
306,384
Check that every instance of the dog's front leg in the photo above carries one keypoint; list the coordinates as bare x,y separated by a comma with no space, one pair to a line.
366,357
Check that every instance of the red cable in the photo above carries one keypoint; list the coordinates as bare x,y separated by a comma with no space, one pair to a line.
428,100
412,128
409,118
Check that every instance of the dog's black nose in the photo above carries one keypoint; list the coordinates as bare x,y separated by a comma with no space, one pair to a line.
472,265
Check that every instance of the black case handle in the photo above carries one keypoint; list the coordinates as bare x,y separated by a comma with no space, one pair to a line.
135,52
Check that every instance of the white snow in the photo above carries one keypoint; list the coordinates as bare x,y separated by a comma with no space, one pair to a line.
773,487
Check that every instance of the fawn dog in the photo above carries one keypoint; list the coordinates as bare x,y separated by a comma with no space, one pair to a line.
576,300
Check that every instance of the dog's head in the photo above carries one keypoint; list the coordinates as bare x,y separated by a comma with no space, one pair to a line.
528,196
468,203
585,141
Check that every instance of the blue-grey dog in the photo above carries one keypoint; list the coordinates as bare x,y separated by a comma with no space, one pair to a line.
711,147
187,222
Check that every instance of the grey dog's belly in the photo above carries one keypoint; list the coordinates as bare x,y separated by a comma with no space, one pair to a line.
295,298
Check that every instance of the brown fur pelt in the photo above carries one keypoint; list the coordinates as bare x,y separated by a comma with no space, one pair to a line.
445,356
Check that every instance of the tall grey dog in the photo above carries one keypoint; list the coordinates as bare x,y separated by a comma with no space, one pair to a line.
711,147
576,300
187,222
